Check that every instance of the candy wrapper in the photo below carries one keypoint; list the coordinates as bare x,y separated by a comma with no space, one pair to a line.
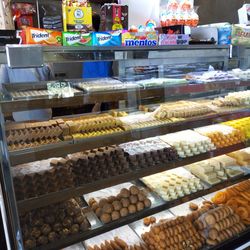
240,35
166,39
77,39
137,39
109,38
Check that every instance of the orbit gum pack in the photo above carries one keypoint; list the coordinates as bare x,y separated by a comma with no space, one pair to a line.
136,39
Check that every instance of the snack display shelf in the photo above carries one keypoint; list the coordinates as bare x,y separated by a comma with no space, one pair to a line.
29,204
158,207
116,95
60,149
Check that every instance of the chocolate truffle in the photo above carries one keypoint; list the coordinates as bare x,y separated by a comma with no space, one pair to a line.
117,205
107,208
105,218
125,202
140,206
133,199
132,209
124,212
115,215
147,203
134,190
124,193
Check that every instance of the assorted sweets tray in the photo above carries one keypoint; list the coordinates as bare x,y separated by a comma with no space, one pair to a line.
119,201
173,184
222,135
64,92
188,143
215,170
57,222
105,84
233,99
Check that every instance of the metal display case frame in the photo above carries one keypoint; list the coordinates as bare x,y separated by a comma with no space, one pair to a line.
126,57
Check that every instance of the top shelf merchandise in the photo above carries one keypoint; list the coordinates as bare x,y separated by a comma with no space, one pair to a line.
49,167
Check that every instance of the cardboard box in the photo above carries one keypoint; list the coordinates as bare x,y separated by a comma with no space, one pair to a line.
165,39
77,18
136,39
114,17
240,35
71,38
43,36
108,38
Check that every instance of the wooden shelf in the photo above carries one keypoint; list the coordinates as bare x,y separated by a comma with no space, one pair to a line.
51,198
61,150
132,218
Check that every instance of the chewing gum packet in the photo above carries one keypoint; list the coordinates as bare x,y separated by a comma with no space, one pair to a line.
43,36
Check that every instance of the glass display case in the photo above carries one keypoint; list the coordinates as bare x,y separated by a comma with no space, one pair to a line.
81,174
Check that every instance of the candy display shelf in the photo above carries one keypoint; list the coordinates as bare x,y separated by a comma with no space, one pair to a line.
27,205
137,95
158,207
63,148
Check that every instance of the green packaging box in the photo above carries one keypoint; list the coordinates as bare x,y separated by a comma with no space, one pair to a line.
77,39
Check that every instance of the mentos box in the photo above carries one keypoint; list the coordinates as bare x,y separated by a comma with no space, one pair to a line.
165,39
43,36
109,38
134,39
77,39
114,17
77,18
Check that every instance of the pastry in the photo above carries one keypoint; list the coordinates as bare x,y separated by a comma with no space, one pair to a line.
193,206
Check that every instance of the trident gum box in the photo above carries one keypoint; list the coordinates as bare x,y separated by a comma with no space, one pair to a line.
131,39
109,38
43,36
77,39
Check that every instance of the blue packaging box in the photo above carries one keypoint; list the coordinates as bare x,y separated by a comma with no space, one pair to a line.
224,35
108,38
